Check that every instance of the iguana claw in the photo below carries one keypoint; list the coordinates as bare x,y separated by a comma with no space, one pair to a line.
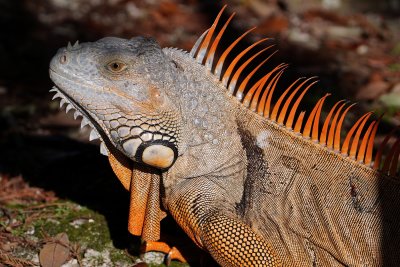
172,253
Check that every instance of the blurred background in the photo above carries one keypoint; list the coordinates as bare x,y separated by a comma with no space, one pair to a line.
52,180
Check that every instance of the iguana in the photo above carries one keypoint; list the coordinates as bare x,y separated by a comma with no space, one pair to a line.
251,182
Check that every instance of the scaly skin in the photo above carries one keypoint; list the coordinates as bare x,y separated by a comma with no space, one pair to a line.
250,192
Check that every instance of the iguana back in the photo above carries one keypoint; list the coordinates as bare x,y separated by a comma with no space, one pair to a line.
321,208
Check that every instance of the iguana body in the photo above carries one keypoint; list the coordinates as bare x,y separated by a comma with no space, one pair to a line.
249,190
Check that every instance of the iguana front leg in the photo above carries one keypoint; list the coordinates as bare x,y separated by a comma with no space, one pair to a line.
229,241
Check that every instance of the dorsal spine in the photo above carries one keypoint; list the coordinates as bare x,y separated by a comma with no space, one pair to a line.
258,98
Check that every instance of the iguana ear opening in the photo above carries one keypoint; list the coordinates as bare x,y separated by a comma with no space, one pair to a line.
157,154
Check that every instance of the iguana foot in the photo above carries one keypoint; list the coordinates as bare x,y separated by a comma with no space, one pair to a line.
172,253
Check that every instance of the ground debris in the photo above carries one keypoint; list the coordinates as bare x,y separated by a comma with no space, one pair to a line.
9,260
17,191
39,229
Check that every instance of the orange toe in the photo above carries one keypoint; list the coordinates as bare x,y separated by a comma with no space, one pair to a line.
172,253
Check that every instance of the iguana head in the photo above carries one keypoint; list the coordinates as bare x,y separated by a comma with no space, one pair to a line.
115,85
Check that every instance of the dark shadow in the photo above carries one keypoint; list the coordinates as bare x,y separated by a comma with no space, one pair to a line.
389,200
74,171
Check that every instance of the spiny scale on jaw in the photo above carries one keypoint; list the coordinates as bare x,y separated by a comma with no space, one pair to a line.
204,52
70,106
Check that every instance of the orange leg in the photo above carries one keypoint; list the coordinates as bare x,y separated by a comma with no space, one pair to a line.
172,253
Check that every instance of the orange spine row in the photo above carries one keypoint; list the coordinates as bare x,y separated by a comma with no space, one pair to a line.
258,98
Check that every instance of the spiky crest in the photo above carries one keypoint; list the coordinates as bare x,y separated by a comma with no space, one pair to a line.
258,97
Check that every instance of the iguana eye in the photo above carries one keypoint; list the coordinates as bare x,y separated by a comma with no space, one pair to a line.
116,66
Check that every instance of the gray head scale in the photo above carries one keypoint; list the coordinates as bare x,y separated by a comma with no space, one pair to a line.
116,85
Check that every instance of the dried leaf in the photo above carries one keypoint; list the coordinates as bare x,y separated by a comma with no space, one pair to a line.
55,252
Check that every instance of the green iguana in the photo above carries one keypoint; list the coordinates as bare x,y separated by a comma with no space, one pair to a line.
251,182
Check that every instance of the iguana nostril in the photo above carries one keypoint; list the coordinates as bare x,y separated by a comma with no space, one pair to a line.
63,59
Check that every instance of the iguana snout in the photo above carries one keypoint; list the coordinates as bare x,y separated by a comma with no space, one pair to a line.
109,83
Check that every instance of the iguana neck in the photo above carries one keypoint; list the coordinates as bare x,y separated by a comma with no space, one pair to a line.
212,146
